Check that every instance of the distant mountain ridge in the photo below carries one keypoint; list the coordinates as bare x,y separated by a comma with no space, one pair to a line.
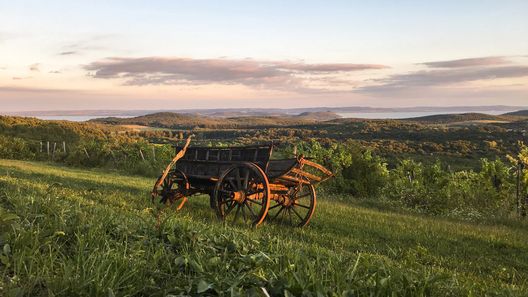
459,117
232,112
523,112
192,120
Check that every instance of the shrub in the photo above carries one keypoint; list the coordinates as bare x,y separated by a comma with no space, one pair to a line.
357,171
15,148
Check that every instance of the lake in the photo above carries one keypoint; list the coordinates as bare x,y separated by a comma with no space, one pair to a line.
76,118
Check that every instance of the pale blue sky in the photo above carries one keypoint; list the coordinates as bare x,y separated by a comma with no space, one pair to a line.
398,35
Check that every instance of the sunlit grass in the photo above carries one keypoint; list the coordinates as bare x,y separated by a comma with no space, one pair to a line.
73,232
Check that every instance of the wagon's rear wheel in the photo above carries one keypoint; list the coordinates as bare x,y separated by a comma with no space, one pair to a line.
242,194
296,207
173,187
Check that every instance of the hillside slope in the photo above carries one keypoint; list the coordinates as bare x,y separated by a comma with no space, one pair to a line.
81,232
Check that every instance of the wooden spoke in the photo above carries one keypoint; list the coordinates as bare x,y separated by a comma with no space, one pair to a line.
258,191
227,200
295,212
236,212
253,201
230,208
296,204
302,196
243,211
274,206
250,210
246,180
277,214
239,182
233,186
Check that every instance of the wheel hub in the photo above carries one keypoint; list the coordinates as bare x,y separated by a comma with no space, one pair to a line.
286,200
239,196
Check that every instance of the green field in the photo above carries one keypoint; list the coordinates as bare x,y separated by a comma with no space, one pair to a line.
72,232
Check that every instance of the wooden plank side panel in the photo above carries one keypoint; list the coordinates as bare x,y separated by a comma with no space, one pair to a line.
280,167
249,154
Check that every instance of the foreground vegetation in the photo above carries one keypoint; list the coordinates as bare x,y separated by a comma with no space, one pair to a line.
72,232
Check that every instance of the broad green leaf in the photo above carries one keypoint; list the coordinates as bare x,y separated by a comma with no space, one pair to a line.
203,286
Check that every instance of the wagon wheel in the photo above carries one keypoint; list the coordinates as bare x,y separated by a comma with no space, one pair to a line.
242,194
173,187
296,207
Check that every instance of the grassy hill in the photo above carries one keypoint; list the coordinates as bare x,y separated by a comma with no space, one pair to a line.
71,232
32,128
188,121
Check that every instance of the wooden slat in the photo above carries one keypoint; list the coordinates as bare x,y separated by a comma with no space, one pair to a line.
278,187
306,174
294,179
315,165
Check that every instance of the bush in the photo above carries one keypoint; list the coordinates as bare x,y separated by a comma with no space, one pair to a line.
15,148
357,171
434,190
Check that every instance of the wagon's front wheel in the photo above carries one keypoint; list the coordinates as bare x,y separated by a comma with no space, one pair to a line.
294,208
172,188
242,194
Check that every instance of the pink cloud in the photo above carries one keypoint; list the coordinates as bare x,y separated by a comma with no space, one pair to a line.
283,75
470,62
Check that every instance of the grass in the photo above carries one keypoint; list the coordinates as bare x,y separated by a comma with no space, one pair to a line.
72,232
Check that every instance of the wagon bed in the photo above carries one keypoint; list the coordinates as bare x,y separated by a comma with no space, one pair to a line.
244,179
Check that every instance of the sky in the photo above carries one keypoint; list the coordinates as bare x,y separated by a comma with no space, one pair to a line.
69,55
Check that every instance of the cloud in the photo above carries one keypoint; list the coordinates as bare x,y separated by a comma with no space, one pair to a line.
34,67
329,67
55,72
88,43
283,75
8,89
67,53
20,77
470,62
443,77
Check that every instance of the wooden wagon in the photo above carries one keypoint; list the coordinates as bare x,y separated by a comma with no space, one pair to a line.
244,184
